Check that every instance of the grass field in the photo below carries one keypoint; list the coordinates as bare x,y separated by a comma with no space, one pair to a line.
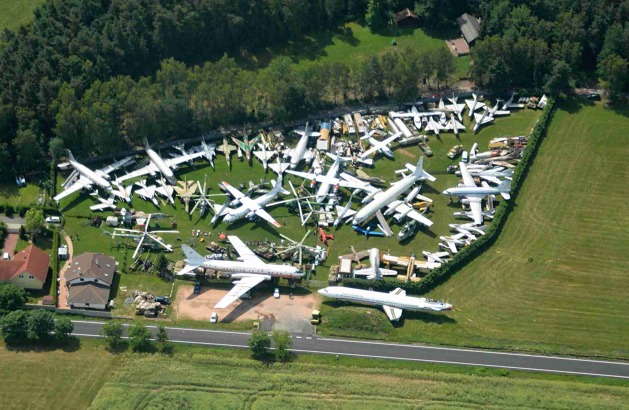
14,196
14,13
54,379
570,218
346,44
197,379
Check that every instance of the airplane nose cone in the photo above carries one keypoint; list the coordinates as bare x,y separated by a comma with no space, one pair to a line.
446,192
448,306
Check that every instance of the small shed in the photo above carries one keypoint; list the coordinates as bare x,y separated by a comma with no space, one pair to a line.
406,18
62,253
470,27
111,221
345,266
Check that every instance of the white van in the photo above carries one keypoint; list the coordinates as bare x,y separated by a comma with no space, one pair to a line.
53,219
5,256
465,157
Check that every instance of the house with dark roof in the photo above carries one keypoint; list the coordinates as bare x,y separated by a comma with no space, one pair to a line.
89,279
406,18
470,27
28,269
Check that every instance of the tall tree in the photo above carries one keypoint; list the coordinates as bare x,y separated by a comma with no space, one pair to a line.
35,222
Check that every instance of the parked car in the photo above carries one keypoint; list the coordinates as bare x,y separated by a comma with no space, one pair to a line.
164,300
197,287
214,317
53,219
276,293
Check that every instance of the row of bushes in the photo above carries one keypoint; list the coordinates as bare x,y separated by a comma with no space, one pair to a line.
462,258
10,210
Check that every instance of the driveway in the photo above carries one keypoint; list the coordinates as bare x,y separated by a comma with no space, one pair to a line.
62,299
13,222
9,243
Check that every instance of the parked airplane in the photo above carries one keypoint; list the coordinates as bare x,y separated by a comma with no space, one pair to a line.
455,107
434,126
344,213
393,303
386,198
510,104
158,164
248,269
368,231
251,207
226,149
83,177
166,190
492,175
209,151
147,192
374,271
264,156
330,179
488,115
300,151
475,194
474,104
245,145
382,147
108,203
438,257
454,125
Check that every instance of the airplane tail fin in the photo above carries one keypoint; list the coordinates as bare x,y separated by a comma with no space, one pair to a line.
419,169
194,260
146,143
277,185
70,156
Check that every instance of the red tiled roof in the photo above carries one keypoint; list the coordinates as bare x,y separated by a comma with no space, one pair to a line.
32,260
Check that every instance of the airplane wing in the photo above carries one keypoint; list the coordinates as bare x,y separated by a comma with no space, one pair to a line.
105,171
165,190
468,181
243,250
394,314
470,104
235,193
452,246
267,217
490,178
241,287
145,170
419,217
183,158
279,168
304,175
383,224
264,155
348,213
482,118
221,148
148,192
477,211
79,184
100,207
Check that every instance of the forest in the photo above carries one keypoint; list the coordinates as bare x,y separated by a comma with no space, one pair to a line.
100,75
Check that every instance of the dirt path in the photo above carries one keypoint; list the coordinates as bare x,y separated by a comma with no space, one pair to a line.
62,299
283,313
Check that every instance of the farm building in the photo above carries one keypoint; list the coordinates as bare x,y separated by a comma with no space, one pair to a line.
470,27
89,280
28,269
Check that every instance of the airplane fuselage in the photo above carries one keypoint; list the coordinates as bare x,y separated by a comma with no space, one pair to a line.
471,191
235,267
92,176
248,203
161,166
324,188
383,199
368,297
299,151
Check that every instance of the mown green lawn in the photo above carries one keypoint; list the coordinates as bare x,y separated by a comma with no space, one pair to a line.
570,218
12,195
14,13
347,44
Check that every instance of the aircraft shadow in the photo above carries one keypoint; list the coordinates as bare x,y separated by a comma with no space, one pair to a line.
245,306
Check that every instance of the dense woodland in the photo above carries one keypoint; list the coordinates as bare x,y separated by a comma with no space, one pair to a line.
100,75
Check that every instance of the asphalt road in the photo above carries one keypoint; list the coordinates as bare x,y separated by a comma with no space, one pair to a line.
381,350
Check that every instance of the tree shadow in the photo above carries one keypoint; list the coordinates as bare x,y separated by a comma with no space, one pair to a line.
72,344
574,104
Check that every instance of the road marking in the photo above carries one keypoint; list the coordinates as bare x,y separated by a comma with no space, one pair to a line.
308,337
297,337
474,351
464,363
398,358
